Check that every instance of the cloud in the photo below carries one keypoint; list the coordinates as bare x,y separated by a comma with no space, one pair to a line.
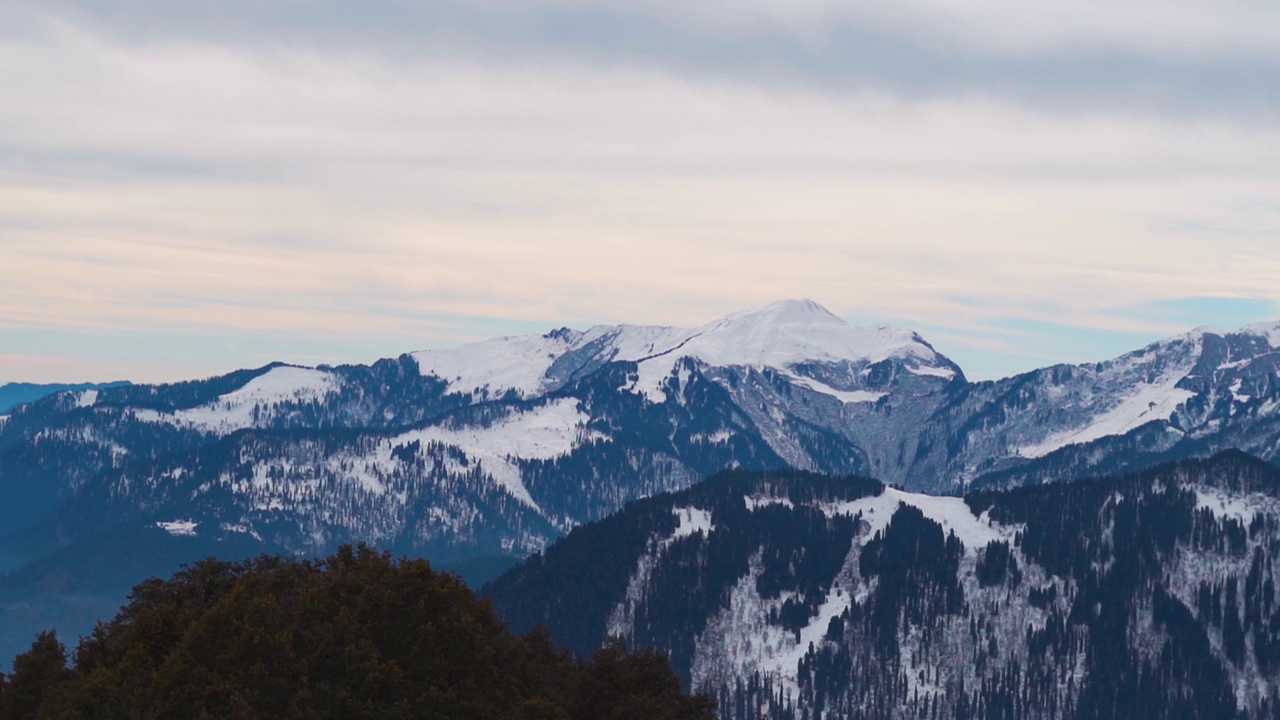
427,178
1190,56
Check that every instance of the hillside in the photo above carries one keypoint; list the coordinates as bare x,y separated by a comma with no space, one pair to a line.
1147,596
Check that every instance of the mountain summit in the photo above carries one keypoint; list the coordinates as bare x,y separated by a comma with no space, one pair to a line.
781,335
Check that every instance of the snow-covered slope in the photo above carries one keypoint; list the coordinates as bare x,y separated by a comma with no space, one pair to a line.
781,335
1199,392
253,405
1116,397
792,596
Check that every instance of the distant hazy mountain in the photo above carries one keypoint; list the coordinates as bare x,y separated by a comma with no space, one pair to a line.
19,393
789,595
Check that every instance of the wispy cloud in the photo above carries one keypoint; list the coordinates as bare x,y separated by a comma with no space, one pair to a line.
414,174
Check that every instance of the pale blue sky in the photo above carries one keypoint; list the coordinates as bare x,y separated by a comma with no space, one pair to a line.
191,187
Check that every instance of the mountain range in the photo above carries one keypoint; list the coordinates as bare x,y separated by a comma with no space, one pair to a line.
493,450
789,595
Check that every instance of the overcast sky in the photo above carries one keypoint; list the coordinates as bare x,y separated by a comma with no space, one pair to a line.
191,187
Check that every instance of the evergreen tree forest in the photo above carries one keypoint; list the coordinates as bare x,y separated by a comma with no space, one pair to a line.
1144,597
354,635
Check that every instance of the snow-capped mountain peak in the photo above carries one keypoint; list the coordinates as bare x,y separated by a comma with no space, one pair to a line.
789,311
789,332
779,335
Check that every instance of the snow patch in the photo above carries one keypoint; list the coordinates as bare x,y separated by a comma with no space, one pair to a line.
623,616
930,371
1145,404
950,512
242,530
541,433
845,396
86,398
692,520
715,438
1225,506
786,664
755,502
179,528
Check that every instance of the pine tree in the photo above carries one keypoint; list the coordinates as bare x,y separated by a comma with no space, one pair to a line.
37,674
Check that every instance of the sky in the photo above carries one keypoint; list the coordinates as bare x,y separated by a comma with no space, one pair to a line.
191,187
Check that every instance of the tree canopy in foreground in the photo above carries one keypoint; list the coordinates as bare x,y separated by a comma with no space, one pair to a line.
356,635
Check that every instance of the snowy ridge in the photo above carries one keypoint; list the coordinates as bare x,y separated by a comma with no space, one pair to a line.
252,405
779,335
789,332
950,512
518,363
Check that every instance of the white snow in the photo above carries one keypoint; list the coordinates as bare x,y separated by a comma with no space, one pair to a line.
786,664
4,420
241,529
950,512
931,371
755,502
1268,330
179,528
235,410
1226,506
1144,404
623,616
86,398
517,363
542,433
792,331
779,335
845,396
714,438
692,520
